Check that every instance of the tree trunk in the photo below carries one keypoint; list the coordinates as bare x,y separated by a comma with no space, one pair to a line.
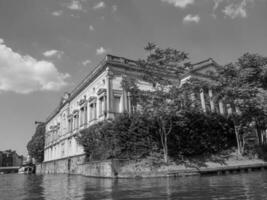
165,149
237,140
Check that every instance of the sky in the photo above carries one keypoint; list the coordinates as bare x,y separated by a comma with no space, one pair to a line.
48,46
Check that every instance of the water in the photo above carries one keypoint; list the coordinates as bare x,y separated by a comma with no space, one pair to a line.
61,187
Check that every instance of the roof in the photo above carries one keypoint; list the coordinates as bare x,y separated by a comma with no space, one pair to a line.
200,65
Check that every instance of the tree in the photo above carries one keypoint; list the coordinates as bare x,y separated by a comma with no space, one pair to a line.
242,84
35,146
162,69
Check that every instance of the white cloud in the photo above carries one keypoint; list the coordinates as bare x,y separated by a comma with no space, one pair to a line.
100,5
101,51
179,3
57,13
235,10
232,8
91,28
86,62
191,18
24,74
75,5
53,53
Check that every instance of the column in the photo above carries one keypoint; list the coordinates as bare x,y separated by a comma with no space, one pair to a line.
105,104
124,101
212,107
202,98
129,102
110,113
221,107
52,156
88,112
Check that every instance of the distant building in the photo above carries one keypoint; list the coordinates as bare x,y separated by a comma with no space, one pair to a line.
100,96
10,158
1,158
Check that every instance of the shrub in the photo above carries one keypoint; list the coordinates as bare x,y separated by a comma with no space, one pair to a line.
135,136
200,133
125,137
262,151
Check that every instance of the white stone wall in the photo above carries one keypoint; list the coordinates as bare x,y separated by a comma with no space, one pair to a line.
60,141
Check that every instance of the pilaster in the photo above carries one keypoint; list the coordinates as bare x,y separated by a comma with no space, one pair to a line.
202,98
110,113
212,107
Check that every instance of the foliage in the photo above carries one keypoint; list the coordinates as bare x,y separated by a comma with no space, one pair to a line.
36,145
96,141
243,85
262,151
200,133
162,70
125,137
135,136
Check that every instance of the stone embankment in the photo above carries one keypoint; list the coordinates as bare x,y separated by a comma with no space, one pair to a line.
133,169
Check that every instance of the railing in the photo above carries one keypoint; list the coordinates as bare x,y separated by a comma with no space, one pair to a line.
121,60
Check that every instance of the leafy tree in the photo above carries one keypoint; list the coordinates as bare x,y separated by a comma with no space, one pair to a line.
35,146
242,84
200,133
162,69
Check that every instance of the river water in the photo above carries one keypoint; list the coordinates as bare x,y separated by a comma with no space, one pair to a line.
61,187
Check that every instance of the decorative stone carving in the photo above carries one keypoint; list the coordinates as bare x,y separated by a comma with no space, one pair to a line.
82,101
92,99
101,91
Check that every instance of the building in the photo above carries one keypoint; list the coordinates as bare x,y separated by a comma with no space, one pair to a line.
1,158
100,96
10,158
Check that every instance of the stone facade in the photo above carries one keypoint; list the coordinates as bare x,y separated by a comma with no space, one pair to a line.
99,96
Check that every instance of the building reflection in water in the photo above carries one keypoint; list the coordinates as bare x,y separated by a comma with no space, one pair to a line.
72,187
33,187
97,188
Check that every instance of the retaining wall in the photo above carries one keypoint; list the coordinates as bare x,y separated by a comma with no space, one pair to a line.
129,169
77,165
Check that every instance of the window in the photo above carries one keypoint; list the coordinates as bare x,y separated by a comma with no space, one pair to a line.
92,111
82,116
62,149
70,124
85,114
102,106
69,147
116,106
76,121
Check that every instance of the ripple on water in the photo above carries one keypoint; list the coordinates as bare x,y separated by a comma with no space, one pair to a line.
54,187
